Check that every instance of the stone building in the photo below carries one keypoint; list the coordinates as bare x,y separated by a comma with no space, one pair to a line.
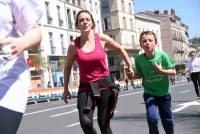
119,23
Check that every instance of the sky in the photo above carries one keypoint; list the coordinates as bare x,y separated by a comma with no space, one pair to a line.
187,10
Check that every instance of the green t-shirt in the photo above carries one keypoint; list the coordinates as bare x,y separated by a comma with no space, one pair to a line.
153,82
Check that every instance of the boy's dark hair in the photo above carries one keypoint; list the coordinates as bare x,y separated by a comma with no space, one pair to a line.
192,52
148,33
84,11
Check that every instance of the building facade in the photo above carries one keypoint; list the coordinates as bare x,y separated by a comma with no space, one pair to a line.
119,23
147,23
174,35
115,18
58,30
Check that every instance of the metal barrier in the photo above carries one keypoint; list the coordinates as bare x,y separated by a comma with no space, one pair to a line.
49,94
42,95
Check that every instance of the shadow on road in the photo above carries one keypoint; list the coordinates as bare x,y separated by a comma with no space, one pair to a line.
131,117
186,118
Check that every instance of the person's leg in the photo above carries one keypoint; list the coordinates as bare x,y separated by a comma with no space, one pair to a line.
164,106
152,114
188,79
198,80
9,121
103,114
194,78
85,117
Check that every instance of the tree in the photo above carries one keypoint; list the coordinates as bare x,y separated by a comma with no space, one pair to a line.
39,62
40,65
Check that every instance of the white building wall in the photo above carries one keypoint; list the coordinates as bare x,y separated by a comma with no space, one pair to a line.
147,24
92,5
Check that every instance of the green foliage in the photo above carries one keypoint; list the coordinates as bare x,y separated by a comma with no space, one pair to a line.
39,62
195,42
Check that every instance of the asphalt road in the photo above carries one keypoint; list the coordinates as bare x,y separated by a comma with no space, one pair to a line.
56,117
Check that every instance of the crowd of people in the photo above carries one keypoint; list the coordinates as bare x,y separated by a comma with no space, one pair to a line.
97,88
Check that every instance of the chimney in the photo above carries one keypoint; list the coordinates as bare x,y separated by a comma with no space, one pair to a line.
165,12
157,12
173,12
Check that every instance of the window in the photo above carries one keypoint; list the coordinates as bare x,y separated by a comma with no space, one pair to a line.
98,26
58,10
91,6
69,19
105,6
71,38
124,23
79,2
131,24
133,40
74,15
62,44
107,23
34,73
51,43
49,18
130,8
60,21
97,8
123,5
74,2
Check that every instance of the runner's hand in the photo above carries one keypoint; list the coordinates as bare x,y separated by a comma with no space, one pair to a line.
66,95
130,72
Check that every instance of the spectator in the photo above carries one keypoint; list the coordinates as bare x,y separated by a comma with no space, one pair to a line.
38,86
55,84
49,85
172,79
187,76
126,81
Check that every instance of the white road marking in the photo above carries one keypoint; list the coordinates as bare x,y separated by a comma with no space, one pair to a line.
178,85
50,109
130,94
74,124
72,111
184,91
185,105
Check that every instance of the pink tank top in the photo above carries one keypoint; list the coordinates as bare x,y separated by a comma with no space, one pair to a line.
93,65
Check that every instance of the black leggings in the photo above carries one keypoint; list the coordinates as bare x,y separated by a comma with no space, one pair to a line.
86,117
9,121
195,77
